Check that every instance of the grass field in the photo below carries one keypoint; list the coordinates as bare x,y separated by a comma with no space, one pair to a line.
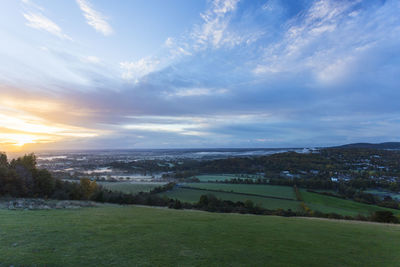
265,190
192,195
143,236
129,187
329,204
223,177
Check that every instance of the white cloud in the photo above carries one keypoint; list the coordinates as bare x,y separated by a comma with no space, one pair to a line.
169,42
95,18
214,29
335,71
197,92
40,22
137,69
324,41
178,128
263,140
29,3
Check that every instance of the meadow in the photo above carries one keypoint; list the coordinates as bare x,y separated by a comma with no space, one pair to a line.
243,192
265,190
145,236
328,204
193,196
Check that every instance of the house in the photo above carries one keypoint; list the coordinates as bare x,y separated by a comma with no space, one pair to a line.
334,179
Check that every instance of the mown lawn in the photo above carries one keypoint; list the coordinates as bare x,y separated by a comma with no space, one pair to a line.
192,196
143,236
265,190
328,204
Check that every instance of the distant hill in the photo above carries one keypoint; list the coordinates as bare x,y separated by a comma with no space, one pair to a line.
386,145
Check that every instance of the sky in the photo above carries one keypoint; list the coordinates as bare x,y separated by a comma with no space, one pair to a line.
98,74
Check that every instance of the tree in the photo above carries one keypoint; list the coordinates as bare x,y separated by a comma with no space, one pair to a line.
44,183
3,160
24,168
88,187
248,204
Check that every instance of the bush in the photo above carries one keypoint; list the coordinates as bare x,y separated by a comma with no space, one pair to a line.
384,217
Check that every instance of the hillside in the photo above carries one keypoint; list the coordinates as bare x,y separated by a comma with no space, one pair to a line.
386,145
130,235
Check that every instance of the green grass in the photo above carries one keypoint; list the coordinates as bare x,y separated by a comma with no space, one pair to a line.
223,177
142,236
129,187
192,196
265,190
329,204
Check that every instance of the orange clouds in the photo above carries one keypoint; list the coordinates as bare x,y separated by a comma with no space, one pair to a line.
21,123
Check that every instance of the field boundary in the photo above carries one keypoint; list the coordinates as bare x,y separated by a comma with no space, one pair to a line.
236,193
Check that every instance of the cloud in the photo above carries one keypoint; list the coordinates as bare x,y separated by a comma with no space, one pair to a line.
169,42
19,128
95,18
215,24
182,129
194,92
137,69
321,73
31,4
40,22
214,31
328,41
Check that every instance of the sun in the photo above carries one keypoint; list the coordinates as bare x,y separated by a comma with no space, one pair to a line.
18,129
15,141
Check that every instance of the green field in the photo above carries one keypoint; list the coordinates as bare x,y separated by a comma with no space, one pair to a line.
192,196
144,236
329,204
129,187
265,190
223,177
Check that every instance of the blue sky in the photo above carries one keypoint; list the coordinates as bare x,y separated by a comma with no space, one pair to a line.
180,74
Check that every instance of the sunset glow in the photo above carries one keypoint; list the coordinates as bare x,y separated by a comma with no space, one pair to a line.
17,131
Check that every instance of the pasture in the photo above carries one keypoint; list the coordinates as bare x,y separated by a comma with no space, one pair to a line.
265,190
328,204
145,236
193,195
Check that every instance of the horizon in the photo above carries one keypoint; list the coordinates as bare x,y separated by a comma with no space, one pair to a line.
209,74
18,153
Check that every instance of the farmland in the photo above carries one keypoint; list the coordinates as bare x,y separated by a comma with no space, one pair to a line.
129,235
265,190
193,195
266,197
328,204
